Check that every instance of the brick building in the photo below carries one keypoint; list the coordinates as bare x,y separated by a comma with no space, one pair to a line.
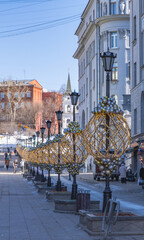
52,101
18,96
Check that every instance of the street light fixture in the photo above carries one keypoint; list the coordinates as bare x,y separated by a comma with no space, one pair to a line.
108,61
74,99
48,122
42,132
59,118
34,137
37,134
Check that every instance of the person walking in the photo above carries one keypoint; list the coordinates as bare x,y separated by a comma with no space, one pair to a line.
122,172
7,162
141,175
15,164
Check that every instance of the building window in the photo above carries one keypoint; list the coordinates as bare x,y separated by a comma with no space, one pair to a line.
90,18
68,108
113,40
2,95
2,105
28,94
135,75
112,7
101,9
86,86
134,28
68,120
16,95
93,77
9,95
127,102
115,72
22,94
8,105
128,70
135,121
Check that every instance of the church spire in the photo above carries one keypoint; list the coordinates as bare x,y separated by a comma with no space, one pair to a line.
68,89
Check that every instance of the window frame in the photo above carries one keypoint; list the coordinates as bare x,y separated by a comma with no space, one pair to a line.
114,40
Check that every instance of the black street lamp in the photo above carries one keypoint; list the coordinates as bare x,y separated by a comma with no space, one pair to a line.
42,135
74,98
59,118
48,122
37,134
34,137
108,61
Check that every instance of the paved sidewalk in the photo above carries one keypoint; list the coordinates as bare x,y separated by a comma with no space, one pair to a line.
26,215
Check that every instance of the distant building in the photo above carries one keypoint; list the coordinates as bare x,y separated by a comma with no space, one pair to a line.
105,24
15,96
137,80
52,102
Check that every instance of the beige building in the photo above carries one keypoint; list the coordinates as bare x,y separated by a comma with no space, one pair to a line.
137,79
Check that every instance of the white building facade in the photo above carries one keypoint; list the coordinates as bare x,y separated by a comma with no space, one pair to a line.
137,76
105,24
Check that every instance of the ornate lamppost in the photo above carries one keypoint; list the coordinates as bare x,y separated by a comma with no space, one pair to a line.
108,61
48,122
34,137
74,98
42,135
59,118
37,134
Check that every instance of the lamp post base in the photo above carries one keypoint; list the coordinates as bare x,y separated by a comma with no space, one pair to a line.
74,191
58,186
74,188
49,182
107,194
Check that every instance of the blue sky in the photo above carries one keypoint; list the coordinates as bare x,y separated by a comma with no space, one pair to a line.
45,55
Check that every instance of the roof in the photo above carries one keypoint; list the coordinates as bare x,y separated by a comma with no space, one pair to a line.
68,89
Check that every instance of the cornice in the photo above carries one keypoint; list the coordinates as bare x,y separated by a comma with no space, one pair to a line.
83,16
109,18
91,27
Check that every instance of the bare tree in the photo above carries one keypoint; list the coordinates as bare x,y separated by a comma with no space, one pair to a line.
14,93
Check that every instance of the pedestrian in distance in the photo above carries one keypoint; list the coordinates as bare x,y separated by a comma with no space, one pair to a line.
7,162
15,165
141,175
122,171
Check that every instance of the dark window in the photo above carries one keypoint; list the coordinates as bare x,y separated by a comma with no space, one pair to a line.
135,121
126,102
115,72
135,74
112,7
134,28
